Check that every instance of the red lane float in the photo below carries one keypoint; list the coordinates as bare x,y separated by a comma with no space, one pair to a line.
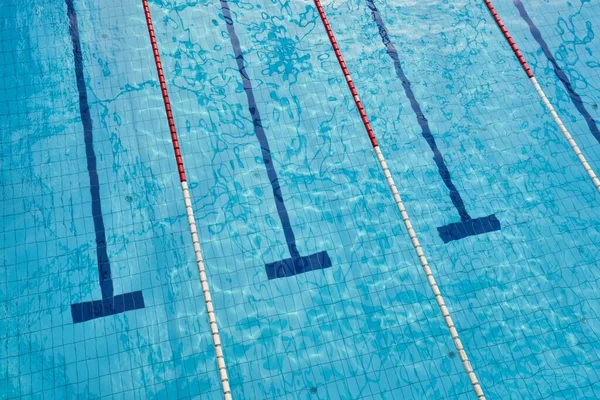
190,213
405,218
338,54
509,38
165,94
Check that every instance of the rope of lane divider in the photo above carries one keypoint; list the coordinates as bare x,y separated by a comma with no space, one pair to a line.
405,218
542,95
190,213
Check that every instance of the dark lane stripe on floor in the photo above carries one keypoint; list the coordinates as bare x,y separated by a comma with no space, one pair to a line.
110,304
103,263
297,263
468,226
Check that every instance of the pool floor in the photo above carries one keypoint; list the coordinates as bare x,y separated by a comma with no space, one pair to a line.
228,205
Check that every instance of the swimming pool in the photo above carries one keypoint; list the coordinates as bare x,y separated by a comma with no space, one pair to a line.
101,293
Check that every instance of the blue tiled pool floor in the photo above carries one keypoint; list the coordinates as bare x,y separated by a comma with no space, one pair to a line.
280,169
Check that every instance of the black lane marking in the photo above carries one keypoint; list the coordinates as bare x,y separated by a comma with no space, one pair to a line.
296,264
110,304
468,226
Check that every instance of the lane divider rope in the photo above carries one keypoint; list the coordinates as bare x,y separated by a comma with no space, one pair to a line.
405,218
190,213
542,95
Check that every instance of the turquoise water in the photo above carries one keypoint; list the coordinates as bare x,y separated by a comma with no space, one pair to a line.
524,298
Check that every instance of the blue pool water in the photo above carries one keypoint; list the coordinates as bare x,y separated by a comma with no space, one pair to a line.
523,294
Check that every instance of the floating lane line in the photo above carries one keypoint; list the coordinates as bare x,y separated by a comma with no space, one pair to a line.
405,218
562,76
542,95
190,213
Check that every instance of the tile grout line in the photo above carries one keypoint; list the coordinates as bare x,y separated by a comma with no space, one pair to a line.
190,212
405,218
